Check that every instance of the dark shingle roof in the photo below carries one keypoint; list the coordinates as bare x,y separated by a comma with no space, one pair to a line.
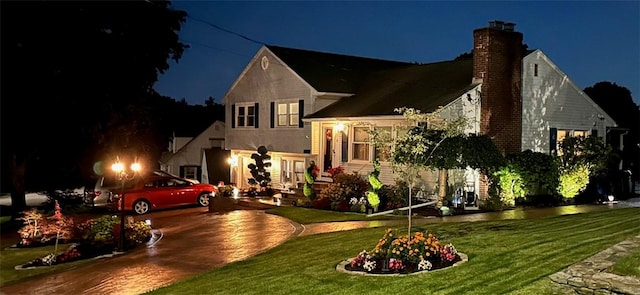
329,72
424,87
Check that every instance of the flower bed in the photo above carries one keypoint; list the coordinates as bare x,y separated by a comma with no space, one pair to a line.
404,255
93,238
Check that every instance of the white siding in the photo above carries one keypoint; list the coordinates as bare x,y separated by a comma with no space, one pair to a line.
552,100
190,154
276,82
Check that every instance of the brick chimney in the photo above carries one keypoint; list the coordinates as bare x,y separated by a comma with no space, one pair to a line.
497,64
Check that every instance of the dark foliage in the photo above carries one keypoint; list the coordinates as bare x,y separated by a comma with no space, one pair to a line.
80,89
260,176
618,103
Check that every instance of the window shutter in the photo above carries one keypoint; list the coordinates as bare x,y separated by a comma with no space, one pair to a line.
594,132
345,147
273,110
553,141
233,116
257,119
300,113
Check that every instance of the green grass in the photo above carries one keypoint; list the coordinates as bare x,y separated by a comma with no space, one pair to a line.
307,216
629,265
505,257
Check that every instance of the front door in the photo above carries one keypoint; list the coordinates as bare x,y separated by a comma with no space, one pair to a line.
328,148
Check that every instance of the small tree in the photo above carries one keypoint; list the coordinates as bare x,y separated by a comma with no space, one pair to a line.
310,175
374,182
260,176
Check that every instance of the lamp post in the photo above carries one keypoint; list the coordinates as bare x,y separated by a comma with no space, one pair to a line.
123,175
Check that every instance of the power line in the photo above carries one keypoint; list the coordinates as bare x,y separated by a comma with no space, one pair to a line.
226,30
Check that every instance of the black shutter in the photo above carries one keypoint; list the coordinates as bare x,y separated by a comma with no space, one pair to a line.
553,141
199,174
257,119
594,132
345,147
233,116
273,110
300,113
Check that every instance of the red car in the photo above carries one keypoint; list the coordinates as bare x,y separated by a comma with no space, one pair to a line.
153,192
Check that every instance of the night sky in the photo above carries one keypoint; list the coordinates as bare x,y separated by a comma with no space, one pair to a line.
588,40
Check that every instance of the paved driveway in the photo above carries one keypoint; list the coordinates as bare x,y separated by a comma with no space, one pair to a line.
192,243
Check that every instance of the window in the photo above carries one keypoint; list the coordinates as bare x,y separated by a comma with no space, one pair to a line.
246,116
564,133
190,172
535,70
579,133
382,151
285,168
298,168
360,143
288,114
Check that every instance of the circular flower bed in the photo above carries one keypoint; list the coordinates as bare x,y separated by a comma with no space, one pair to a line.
404,255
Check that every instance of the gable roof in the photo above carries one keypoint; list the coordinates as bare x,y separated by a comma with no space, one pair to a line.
167,156
424,87
329,72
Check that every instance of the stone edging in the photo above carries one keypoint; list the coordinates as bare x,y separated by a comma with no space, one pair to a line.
341,268
591,277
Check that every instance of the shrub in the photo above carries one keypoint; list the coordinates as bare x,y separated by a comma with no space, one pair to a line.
321,203
393,196
539,171
343,189
333,171
507,185
573,180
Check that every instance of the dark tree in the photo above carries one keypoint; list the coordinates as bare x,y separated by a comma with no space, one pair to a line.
618,103
77,80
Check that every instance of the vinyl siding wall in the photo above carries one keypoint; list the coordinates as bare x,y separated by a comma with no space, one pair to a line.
552,100
276,83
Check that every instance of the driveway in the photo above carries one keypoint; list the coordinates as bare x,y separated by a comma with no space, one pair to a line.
193,242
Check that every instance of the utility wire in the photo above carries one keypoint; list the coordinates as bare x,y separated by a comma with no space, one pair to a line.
225,30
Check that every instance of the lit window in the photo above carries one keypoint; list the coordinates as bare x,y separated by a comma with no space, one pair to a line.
580,133
562,134
361,143
288,114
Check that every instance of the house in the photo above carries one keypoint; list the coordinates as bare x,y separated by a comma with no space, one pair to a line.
202,158
313,106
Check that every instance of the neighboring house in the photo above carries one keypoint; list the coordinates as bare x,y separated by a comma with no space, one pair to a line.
202,158
305,105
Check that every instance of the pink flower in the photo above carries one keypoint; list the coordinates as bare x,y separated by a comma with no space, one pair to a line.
395,264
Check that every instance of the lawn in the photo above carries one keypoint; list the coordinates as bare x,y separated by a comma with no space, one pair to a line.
505,257
628,266
307,216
